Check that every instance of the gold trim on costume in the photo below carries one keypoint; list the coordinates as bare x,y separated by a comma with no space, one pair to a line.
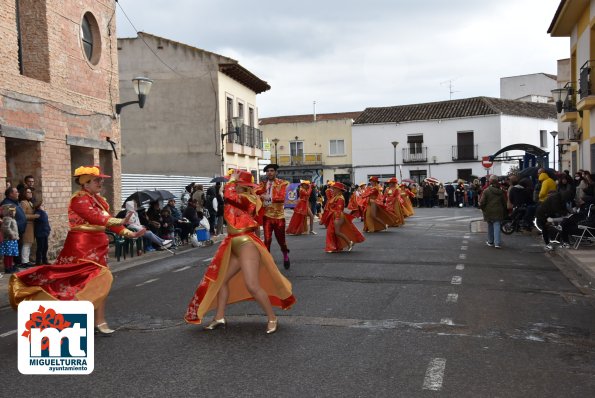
88,228
126,233
112,222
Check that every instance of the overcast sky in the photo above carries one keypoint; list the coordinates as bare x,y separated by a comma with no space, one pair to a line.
348,55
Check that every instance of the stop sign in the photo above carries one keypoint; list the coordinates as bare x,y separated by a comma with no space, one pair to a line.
486,162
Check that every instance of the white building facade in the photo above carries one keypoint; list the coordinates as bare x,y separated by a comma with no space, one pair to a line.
447,140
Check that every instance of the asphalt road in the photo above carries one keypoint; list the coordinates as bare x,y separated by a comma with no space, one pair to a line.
424,310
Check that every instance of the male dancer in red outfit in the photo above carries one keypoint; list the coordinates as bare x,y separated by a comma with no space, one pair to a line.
272,191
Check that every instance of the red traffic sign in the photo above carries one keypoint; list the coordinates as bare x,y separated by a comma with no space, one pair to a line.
486,162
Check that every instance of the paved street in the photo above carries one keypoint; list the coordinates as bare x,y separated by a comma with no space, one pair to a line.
420,311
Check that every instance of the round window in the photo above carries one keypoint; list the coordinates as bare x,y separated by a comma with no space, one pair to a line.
90,38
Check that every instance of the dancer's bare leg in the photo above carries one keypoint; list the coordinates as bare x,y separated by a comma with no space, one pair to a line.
223,294
100,312
249,260
338,233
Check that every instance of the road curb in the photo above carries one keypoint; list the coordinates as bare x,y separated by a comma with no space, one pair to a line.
581,268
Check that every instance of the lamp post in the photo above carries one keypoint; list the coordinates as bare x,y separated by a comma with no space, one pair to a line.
276,141
554,134
395,143
142,86
237,123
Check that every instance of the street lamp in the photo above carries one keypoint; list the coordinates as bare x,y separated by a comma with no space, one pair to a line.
142,86
554,134
237,123
276,141
395,143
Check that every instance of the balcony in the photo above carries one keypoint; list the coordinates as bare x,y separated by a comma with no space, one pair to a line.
464,152
248,142
415,155
585,91
306,159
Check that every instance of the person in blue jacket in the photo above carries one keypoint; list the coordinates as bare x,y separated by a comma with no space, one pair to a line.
42,233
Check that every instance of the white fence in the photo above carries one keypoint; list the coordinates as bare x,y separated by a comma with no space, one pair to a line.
174,184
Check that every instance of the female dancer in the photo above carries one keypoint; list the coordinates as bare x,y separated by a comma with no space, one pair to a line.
242,269
376,217
340,232
298,224
393,202
81,271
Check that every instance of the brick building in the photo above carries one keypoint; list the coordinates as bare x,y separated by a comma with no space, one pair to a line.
58,89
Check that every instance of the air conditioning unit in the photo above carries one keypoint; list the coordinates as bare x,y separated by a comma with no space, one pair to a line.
574,132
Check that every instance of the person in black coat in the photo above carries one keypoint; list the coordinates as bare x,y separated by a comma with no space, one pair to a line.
42,233
450,192
191,215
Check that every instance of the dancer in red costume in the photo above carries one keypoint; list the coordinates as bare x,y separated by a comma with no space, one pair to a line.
406,195
329,195
81,271
394,202
298,224
376,217
340,232
242,269
272,191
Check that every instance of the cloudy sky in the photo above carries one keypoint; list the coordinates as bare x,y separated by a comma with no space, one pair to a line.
348,55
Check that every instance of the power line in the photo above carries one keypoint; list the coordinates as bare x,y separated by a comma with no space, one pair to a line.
147,44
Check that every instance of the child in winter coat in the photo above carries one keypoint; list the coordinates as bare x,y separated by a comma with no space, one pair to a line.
9,248
42,233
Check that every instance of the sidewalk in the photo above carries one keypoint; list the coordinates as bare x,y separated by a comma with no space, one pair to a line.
581,261
115,265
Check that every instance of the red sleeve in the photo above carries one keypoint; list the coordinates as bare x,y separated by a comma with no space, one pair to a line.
84,208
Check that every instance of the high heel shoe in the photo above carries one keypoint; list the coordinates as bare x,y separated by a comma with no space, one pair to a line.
272,326
216,323
102,328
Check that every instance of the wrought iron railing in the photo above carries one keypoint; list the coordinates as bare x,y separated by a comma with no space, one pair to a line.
249,136
415,154
464,152
306,159
584,82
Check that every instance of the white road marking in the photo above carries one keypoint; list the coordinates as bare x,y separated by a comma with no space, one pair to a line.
462,256
446,321
147,282
207,259
8,333
465,241
452,298
463,247
460,267
456,280
466,237
182,269
453,218
434,374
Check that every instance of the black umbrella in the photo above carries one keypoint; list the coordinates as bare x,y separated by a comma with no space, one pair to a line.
165,195
219,179
146,196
